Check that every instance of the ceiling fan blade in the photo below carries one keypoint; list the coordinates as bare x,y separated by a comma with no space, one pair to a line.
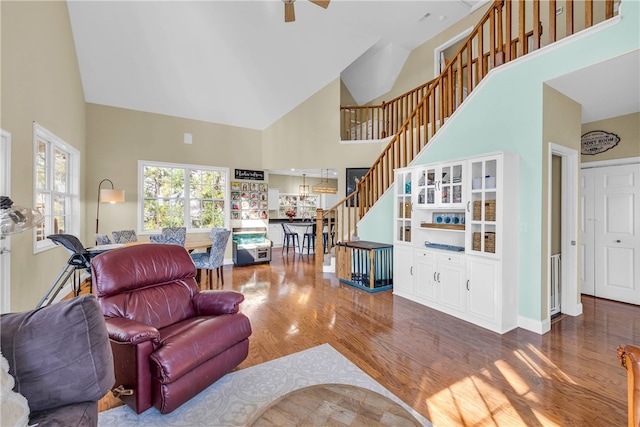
321,3
289,12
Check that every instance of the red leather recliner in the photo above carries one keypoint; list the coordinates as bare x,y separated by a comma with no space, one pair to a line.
169,340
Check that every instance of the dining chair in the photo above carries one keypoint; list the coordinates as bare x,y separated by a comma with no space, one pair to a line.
212,259
169,239
290,237
124,236
176,232
102,239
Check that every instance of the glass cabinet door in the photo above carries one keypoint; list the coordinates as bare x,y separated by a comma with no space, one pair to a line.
403,206
482,208
451,185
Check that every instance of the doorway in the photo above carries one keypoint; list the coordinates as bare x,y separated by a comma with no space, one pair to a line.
565,298
5,243
610,235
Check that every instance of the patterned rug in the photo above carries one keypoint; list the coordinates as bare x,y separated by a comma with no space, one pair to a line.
235,398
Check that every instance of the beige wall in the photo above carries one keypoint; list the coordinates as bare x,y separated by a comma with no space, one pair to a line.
40,83
118,138
561,120
308,137
418,69
626,127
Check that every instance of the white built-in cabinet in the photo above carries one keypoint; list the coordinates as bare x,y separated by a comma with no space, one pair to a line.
456,238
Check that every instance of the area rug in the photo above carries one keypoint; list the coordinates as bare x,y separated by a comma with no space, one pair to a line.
236,398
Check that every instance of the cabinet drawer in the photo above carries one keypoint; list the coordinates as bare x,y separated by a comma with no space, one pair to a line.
451,259
422,254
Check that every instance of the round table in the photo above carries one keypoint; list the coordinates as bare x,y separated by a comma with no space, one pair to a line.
331,404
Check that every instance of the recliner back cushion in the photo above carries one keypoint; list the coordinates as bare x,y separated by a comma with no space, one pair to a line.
59,354
150,283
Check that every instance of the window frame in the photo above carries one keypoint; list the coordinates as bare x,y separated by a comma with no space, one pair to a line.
72,190
187,219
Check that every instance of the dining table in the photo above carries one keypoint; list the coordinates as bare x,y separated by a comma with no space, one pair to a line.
190,244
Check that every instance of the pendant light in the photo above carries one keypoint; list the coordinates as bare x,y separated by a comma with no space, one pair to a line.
323,187
303,190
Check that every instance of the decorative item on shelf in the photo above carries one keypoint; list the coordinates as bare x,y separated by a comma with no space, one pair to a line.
16,219
290,213
303,190
107,195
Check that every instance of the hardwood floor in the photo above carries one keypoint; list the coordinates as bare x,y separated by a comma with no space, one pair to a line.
452,372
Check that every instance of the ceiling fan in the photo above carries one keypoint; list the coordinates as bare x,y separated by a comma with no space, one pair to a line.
289,12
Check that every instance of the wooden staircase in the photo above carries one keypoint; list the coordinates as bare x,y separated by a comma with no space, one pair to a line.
509,29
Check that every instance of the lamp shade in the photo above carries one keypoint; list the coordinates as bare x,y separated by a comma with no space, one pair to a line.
16,219
108,195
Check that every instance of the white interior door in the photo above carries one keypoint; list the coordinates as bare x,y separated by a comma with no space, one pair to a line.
616,238
587,231
5,244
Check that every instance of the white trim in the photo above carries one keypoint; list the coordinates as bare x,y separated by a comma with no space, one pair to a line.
140,203
570,298
5,244
538,326
72,224
612,162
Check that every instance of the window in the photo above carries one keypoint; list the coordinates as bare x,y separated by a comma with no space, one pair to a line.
56,182
176,195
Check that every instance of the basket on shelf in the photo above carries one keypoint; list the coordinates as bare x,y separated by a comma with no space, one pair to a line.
489,242
489,210
407,234
476,242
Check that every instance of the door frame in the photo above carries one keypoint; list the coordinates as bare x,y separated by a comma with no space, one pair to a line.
5,244
570,302
438,50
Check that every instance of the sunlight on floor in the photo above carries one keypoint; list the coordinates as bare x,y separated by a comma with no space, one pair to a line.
485,405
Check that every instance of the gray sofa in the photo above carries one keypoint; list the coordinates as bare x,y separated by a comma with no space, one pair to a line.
60,359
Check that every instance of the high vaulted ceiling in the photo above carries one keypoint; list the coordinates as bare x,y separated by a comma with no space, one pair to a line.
238,62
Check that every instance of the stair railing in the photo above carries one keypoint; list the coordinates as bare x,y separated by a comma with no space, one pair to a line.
485,48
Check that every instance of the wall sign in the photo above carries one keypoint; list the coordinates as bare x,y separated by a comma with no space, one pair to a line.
598,141
249,174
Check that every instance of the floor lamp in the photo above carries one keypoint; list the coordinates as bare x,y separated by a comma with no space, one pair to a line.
107,195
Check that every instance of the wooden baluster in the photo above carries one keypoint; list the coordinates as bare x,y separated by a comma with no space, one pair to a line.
480,52
588,13
492,38
459,81
552,21
608,9
569,17
508,55
499,57
521,26
537,25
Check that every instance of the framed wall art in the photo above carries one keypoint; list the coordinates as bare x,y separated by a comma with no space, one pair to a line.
354,175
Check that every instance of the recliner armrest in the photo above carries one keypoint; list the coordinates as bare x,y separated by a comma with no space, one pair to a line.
214,302
127,331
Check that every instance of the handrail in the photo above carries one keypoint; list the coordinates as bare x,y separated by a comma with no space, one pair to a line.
508,30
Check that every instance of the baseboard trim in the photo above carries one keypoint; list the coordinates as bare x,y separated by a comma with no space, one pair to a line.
540,327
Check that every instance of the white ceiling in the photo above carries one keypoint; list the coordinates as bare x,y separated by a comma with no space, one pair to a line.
238,62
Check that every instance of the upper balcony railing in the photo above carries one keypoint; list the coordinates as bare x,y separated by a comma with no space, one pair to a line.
508,30
505,20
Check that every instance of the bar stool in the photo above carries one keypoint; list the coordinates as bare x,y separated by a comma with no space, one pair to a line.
290,237
309,238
